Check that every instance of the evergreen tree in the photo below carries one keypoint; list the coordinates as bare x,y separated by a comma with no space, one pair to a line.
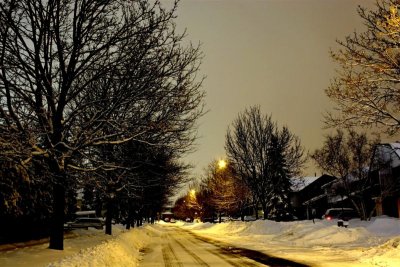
279,205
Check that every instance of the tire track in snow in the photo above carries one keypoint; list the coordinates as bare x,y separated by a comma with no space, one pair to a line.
169,256
240,263
257,256
193,255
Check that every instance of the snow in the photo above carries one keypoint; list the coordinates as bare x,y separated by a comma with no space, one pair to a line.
82,248
121,251
371,243
363,243
385,226
299,183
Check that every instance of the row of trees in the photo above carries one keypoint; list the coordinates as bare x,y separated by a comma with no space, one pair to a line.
226,190
262,159
93,94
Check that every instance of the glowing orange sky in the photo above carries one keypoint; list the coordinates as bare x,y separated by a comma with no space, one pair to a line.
269,53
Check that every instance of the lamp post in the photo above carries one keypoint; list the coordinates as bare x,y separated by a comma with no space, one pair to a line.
222,165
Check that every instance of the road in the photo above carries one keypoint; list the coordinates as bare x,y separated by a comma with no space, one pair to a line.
175,247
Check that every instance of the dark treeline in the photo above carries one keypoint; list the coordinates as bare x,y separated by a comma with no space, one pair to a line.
100,96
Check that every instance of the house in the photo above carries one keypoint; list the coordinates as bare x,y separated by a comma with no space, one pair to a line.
385,176
309,198
378,191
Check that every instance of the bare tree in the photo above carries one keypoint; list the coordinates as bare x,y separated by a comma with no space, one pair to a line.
264,156
347,157
366,87
76,75
228,193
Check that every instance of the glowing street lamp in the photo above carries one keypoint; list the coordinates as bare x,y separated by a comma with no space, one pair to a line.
222,164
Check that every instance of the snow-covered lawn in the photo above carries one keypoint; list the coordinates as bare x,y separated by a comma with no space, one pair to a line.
373,243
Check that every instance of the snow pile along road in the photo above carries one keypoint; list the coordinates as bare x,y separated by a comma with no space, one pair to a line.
121,251
363,243
373,243
82,248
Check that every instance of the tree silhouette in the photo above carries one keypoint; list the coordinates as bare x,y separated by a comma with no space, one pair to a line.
76,75
265,158
365,89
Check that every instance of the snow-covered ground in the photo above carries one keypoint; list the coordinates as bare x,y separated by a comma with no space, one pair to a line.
373,243
83,248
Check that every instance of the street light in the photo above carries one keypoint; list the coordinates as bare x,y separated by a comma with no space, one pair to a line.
222,164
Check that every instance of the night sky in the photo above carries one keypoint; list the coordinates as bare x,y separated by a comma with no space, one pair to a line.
269,53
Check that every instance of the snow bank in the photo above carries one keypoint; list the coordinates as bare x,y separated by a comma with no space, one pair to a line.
386,254
374,243
318,233
120,251
385,226
363,243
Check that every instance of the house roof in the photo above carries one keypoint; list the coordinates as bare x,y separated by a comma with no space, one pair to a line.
396,148
389,152
299,183
314,199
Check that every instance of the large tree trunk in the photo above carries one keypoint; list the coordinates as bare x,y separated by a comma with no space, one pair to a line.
255,208
128,219
57,227
264,208
109,215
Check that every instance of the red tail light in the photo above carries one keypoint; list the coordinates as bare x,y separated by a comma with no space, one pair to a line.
328,218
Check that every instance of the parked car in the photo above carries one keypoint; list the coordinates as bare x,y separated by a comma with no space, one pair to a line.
340,213
85,222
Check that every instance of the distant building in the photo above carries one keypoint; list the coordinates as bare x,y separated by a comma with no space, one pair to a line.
380,189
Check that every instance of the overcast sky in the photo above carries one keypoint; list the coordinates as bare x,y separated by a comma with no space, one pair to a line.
272,53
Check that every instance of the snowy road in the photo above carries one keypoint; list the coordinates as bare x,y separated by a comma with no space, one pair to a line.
172,246
320,244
